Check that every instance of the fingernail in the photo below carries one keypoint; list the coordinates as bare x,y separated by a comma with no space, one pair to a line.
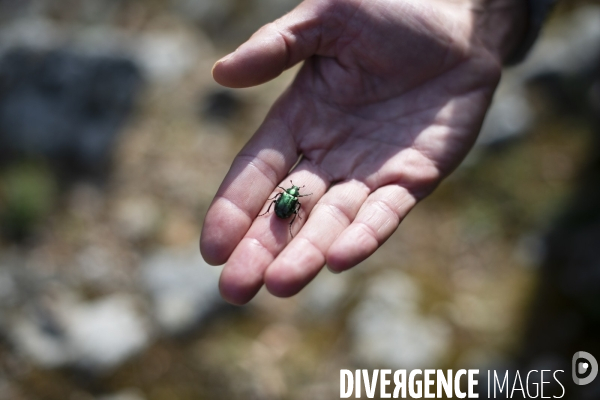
227,57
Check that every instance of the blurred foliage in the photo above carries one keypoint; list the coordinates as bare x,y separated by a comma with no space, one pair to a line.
27,194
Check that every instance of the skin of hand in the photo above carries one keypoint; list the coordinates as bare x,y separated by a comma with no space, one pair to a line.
389,100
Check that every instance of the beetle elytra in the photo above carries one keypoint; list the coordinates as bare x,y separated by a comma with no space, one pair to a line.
287,204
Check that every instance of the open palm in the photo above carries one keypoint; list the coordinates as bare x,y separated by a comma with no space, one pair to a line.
389,100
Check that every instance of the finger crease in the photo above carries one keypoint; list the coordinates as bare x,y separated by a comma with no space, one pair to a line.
266,169
288,46
339,213
311,244
369,231
258,243
386,208
246,213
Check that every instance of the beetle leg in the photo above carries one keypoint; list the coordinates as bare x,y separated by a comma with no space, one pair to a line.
275,197
304,195
297,210
268,209
293,219
291,234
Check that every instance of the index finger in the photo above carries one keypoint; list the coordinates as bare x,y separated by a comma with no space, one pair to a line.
263,162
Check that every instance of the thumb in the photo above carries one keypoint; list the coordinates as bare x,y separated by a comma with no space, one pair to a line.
273,48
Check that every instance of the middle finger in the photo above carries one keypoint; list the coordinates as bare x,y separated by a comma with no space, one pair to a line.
242,275
304,257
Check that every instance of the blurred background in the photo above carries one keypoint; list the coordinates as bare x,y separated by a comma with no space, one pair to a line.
113,141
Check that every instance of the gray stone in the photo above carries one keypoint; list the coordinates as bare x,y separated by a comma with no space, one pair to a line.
33,32
325,295
510,115
95,336
64,106
569,50
388,330
137,217
166,57
105,333
572,47
8,287
184,289
130,394
207,11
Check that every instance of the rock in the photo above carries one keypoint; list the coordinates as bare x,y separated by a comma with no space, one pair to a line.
572,47
137,217
8,287
325,295
65,107
388,330
106,332
130,394
207,12
561,65
233,21
95,336
184,289
43,346
509,117
220,104
32,32
530,251
166,57
163,50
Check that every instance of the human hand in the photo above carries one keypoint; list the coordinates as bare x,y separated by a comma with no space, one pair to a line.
388,102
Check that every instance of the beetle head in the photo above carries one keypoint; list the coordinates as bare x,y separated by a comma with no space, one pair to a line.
294,190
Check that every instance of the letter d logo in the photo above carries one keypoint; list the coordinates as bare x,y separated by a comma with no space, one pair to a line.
581,368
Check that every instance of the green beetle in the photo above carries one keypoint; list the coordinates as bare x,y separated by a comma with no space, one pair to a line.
287,204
